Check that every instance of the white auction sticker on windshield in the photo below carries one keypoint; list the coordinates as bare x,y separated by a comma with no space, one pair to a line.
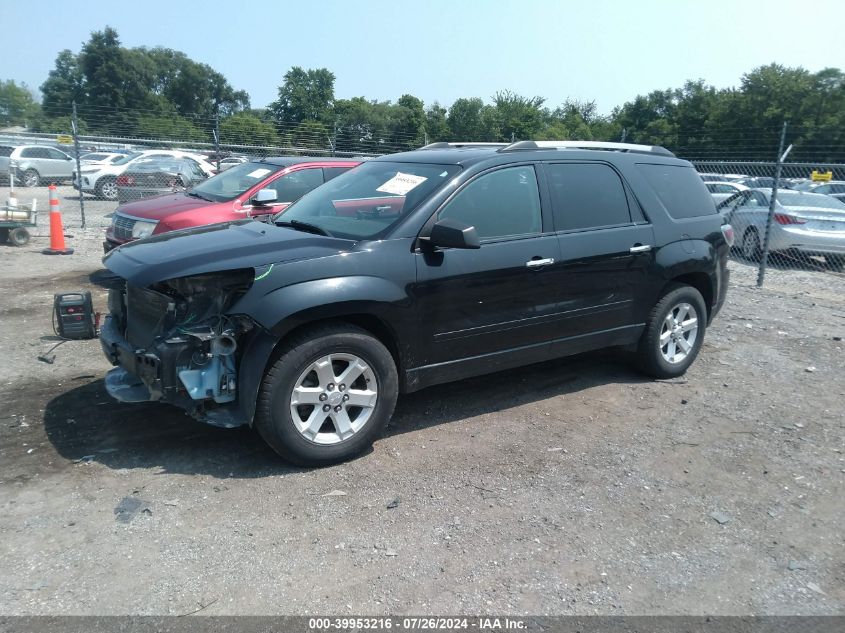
258,173
401,184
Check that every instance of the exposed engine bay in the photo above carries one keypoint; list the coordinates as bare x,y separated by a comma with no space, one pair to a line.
174,342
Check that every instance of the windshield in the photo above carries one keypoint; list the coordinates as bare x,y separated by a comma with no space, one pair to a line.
816,200
365,202
127,158
231,183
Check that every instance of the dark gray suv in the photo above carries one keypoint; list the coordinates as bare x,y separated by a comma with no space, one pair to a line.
416,269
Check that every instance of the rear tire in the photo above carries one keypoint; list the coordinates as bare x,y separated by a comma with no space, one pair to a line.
309,434
674,333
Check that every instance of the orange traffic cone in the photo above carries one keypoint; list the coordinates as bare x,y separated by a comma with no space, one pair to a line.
57,234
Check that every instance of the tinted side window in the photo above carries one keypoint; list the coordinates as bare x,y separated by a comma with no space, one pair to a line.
55,154
30,152
502,203
296,184
679,189
333,172
587,195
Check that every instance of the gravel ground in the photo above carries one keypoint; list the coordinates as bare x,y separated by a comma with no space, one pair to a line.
569,487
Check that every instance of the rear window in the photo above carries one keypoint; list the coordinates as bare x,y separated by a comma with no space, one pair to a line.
680,189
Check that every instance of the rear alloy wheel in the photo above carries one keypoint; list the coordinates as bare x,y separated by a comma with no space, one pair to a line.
674,333
107,189
751,249
31,178
327,396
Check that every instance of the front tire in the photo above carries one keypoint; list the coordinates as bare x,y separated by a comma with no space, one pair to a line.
106,189
327,396
674,333
751,249
31,178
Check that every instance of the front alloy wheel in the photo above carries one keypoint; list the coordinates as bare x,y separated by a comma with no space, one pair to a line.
107,189
327,395
333,398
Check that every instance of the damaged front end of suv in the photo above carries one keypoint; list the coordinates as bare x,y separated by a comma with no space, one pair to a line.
175,342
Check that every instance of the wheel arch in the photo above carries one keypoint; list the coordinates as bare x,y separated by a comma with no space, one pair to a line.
266,346
699,280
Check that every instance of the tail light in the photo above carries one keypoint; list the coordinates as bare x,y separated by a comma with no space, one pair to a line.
126,181
784,218
728,232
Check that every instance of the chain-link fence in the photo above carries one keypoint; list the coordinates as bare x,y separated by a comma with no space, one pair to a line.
786,215
798,224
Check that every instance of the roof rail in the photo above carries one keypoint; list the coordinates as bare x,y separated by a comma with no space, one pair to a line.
601,145
460,144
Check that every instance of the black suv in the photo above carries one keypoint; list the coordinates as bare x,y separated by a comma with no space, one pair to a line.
416,269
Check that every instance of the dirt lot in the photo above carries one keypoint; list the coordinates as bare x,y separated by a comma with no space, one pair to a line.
571,487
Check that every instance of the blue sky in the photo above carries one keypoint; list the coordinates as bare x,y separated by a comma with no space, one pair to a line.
607,51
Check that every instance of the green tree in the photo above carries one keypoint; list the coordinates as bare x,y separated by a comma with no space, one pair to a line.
311,135
172,127
17,106
64,85
193,88
407,126
464,119
359,125
519,117
436,126
247,129
305,95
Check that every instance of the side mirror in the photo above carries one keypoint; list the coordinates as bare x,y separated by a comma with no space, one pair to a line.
264,197
450,233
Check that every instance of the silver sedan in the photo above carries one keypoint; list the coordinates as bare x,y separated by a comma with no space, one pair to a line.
803,223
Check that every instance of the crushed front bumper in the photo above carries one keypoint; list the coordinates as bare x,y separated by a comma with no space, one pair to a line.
162,373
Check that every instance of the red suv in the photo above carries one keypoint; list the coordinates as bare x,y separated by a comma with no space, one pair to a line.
255,189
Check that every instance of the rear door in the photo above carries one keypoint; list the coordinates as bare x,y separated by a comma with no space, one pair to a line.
61,165
605,254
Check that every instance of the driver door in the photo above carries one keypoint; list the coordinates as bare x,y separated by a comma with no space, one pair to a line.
489,305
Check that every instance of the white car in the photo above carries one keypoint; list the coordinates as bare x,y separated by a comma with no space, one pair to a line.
723,190
100,158
35,164
101,180
231,161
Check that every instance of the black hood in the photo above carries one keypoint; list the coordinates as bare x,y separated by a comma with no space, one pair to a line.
217,247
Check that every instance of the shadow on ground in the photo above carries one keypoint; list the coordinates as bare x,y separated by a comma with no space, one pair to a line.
84,423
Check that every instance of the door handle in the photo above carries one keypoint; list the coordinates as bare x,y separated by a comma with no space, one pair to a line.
640,248
534,263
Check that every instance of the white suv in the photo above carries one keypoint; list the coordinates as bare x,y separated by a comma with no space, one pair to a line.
34,164
101,180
